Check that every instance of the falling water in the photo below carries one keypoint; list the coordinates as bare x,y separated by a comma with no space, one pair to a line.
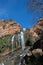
12,40
22,40
2,64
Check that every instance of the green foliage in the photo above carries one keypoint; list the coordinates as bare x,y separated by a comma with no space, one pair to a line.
31,40
5,40
1,41
32,60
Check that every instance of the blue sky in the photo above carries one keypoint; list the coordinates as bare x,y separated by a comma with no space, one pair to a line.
17,11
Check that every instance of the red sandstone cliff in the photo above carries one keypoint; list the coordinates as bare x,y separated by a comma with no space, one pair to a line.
8,27
37,30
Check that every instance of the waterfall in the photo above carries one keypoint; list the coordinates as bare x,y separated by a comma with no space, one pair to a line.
22,40
12,40
2,64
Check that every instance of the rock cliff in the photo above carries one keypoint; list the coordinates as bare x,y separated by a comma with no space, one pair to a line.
8,27
37,30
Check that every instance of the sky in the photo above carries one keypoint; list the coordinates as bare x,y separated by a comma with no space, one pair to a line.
17,11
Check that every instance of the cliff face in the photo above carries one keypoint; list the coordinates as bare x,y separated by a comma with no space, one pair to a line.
37,30
8,27
39,27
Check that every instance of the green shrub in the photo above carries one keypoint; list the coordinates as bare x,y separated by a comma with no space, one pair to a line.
5,40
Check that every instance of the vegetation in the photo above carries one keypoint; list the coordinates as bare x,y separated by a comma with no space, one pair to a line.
30,41
36,58
4,43
32,60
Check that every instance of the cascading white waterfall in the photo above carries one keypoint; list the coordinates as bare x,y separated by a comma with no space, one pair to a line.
12,41
20,36
2,64
22,40
19,39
